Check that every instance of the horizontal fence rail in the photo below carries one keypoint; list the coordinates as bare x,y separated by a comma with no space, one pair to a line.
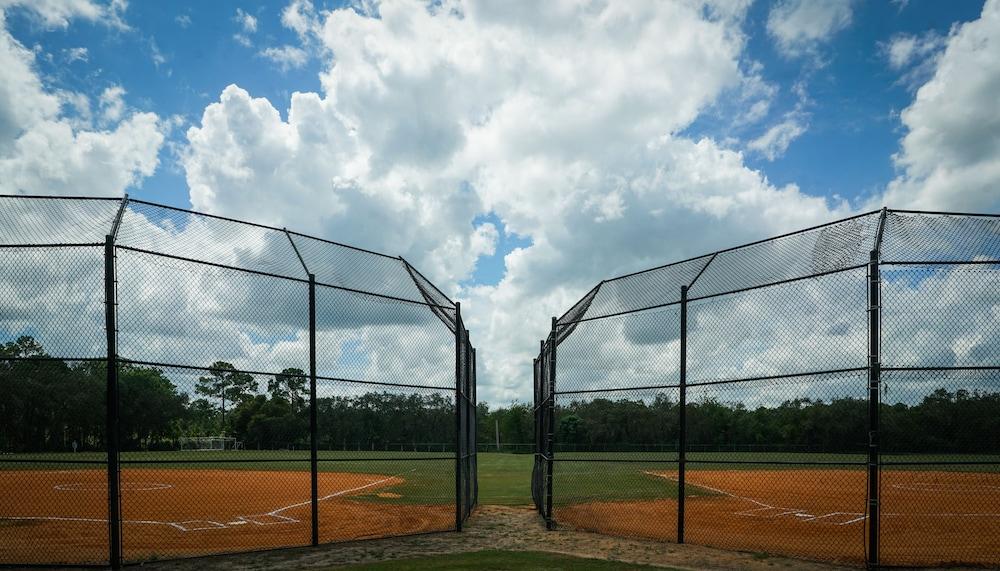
829,394
176,384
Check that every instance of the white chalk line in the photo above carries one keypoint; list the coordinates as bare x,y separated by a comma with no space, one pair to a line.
751,512
100,487
939,487
804,515
203,525
274,513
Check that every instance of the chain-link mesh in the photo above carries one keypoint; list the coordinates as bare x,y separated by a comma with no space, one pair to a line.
224,348
53,421
791,396
50,221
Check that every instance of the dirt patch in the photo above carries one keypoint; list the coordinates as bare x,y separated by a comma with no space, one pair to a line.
195,512
503,528
17,523
928,518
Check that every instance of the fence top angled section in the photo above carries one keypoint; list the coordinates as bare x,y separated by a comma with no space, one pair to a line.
192,236
940,237
637,291
264,249
213,240
356,269
27,221
823,249
820,250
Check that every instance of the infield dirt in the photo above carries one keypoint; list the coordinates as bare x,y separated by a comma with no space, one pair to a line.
176,513
928,518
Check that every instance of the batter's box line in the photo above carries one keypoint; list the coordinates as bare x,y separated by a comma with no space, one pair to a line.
190,525
763,507
852,517
285,519
262,519
208,525
775,512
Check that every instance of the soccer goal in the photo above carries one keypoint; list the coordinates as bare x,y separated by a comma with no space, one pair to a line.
210,443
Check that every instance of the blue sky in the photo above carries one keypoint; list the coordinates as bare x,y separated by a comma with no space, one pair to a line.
516,154
178,56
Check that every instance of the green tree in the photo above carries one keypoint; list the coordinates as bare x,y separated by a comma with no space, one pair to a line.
150,407
290,385
226,383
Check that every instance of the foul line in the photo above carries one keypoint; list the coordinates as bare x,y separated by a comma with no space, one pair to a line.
202,525
802,515
806,516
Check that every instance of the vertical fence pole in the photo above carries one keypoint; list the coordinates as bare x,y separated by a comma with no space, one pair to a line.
550,448
114,466
466,437
682,420
313,423
458,416
475,433
874,377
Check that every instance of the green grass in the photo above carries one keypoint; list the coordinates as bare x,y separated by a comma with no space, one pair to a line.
498,561
426,480
576,482
505,479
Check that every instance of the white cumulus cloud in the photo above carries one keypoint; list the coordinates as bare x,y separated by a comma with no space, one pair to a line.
561,119
950,155
774,142
286,57
799,26
44,152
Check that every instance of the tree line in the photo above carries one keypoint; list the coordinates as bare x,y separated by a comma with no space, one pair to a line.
48,404
954,422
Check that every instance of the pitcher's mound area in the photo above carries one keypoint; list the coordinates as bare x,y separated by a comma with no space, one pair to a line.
62,515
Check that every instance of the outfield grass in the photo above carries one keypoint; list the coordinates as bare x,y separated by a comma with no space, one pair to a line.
499,561
505,479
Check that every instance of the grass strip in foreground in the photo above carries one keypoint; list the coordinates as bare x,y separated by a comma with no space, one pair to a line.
499,561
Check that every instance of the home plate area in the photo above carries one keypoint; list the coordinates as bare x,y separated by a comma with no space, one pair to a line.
171,513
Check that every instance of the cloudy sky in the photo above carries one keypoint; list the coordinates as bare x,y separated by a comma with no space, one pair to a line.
516,153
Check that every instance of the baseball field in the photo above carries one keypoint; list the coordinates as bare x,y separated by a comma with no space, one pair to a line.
197,503
930,514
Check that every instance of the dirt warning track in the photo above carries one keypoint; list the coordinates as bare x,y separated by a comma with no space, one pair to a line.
48,516
928,517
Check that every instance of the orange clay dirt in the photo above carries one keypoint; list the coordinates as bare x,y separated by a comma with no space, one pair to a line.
928,518
48,516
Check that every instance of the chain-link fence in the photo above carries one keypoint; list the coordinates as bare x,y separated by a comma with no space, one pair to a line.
177,384
831,394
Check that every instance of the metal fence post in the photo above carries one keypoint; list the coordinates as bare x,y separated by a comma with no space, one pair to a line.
458,416
467,436
550,448
874,375
682,420
473,404
313,422
112,412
